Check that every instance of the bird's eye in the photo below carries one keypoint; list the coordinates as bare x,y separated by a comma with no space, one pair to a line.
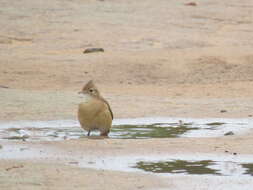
91,90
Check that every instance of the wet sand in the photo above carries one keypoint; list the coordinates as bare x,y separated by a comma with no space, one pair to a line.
43,165
161,58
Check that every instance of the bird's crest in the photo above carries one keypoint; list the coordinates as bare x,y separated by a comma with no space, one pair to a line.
89,85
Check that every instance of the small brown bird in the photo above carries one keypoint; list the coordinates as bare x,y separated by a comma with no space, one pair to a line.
94,113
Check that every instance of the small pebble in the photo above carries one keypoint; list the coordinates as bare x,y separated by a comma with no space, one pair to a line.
191,4
14,167
229,133
22,149
93,50
2,86
223,111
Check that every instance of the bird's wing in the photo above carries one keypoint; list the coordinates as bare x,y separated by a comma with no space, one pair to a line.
108,107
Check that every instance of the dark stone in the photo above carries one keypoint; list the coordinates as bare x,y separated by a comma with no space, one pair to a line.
229,133
2,86
191,4
223,111
93,50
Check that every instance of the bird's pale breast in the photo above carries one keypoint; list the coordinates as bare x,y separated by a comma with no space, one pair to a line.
93,113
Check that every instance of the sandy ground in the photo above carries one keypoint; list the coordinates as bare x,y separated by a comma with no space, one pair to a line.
54,176
162,58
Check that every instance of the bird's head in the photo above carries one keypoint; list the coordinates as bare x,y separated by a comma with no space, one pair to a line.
90,89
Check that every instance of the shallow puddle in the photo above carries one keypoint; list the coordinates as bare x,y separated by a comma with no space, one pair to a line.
138,128
222,165
178,167
156,130
203,167
215,166
249,168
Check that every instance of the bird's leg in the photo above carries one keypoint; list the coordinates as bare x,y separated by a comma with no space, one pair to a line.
88,133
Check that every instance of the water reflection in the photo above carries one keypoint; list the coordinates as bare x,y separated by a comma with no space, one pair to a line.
179,166
202,167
